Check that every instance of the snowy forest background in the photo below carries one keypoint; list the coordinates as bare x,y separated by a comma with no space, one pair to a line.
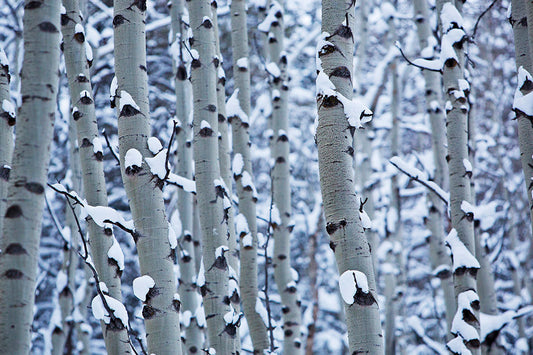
501,202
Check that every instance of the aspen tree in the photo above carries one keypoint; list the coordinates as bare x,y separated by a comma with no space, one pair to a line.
338,115
193,340
7,121
222,320
77,62
461,238
273,25
238,114
25,198
440,261
161,306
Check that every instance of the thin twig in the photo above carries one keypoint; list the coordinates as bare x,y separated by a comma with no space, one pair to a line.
414,64
265,290
167,168
481,15
110,148
56,222
424,183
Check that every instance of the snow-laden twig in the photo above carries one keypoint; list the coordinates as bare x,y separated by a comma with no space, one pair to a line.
415,64
416,175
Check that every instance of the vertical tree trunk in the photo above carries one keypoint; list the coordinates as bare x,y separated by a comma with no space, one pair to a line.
161,308
461,238
221,334
24,208
437,210
281,190
341,204
91,159
193,342
245,188
7,121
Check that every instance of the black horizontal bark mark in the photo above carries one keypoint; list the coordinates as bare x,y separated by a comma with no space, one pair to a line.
48,27
34,187
15,249
14,274
13,212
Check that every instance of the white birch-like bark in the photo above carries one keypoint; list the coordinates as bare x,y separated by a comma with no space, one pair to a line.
25,199
224,151
91,162
193,340
457,108
341,204
245,189
221,334
161,308
281,189
437,210
7,121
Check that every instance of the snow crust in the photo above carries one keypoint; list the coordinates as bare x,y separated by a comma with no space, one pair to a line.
233,108
115,253
461,255
118,309
126,99
133,158
154,145
349,282
141,286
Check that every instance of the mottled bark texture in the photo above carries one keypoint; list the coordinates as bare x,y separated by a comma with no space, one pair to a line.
439,257
7,122
245,189
160,310
25,198
91,161
457,106
221,335
341,204
281,190
193,340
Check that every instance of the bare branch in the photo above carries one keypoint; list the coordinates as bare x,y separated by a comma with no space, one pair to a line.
414,64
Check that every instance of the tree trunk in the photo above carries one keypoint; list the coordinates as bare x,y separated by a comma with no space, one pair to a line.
461,238
91,159
193,342
281,190
221,334
160,310
245,189
341,204
7,121
25,199
437,210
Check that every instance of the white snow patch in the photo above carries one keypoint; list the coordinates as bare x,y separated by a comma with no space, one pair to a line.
79,29
97,146
462,257
172,237
273,69
113,88
154,145
242,63
115,253
88,52
200,279
271,17
3,58
9,108
61,280
261,310
241,225
85,93
133,158
204,124
467,165
237,164
233,108
219,252
521,102
115,305
141,286
126,99
349,282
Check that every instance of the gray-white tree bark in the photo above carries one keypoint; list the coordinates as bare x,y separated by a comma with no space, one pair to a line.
244,180
440,261
7,121
91,159
193,340
210,195
25,199
161,308
280,173
341,204
461,239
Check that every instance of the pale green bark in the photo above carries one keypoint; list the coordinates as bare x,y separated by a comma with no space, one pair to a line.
25,199
193,340
7,121
247,199
437,210
281,190
457,108
160,310
341,204
91,159
213,226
